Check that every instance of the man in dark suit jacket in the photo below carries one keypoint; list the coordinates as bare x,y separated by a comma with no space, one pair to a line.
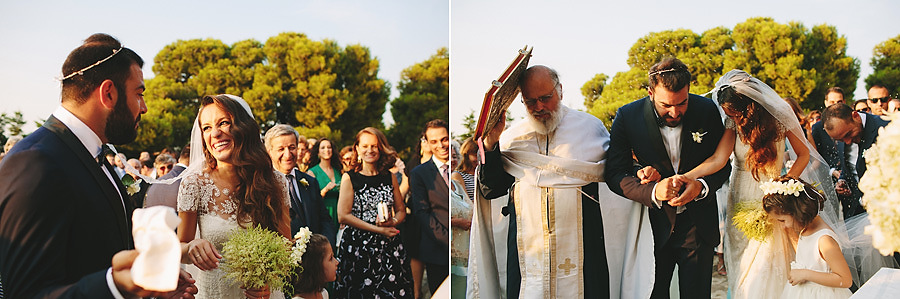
307,205
64,214
857,131
167,194
671,131
429,193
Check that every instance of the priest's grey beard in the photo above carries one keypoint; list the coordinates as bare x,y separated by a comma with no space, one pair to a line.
550,124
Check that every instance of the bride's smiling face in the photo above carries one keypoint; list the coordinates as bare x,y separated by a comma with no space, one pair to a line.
216,124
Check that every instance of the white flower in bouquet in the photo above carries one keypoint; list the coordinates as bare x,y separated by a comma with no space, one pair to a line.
879,185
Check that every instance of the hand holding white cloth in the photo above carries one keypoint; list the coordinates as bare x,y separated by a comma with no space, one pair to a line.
159,252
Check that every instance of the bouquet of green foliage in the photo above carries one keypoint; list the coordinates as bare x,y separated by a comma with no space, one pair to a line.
750,218
258,257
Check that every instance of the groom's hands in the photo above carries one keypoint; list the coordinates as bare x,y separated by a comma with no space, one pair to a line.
121,274
667,189
692,189
678,190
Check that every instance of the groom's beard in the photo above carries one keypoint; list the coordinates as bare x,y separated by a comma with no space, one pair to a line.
548,125
121,128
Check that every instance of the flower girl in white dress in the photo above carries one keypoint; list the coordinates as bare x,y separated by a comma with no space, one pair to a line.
819,269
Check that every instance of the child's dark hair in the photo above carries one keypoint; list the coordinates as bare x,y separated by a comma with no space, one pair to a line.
803,207
312,279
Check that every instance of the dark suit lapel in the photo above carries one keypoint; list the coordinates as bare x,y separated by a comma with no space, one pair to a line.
689,124
655,138
112,194
301,197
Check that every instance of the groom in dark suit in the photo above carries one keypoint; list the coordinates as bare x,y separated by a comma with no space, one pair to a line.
65,218
857,131
671,131
429,198
307,205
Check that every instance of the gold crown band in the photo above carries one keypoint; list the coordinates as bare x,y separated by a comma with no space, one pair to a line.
81,71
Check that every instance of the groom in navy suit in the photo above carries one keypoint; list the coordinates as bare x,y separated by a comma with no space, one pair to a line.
307,205
671,131
65,219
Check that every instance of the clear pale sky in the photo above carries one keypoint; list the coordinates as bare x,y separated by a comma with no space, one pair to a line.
582,38
37,35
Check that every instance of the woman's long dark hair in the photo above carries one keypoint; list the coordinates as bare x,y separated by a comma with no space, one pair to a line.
757,128
334,160
258,196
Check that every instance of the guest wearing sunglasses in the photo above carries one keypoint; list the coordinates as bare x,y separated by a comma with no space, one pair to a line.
879,97
861,106
163,164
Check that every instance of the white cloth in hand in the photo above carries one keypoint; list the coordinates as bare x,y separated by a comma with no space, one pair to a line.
159,252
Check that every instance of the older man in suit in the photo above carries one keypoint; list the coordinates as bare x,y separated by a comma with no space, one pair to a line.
429,191
307,205
65,219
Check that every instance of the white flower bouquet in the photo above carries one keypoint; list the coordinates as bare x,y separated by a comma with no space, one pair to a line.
257,257
879,184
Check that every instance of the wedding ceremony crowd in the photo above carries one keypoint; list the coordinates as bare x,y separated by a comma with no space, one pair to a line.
739,181
740,176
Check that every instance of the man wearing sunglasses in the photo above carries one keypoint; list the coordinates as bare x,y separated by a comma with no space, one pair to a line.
879,97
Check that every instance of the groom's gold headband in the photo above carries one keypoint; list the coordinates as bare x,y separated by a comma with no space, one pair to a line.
81,71
651,74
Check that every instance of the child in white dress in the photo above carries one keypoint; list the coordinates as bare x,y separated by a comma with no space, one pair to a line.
819,269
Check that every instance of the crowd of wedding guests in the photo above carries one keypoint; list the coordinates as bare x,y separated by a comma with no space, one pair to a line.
336,194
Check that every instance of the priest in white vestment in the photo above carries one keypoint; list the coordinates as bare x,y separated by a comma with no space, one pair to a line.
549,165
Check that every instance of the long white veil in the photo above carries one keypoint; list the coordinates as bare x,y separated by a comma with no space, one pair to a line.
817,172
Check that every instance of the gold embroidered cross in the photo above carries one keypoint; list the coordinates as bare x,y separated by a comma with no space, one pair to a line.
567,266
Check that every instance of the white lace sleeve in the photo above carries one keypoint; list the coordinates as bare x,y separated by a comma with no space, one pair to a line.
282,181
729,123
188,194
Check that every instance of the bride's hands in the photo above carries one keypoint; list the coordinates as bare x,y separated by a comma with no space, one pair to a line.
203,254
262,292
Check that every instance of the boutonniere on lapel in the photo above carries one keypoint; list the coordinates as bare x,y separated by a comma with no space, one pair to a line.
131,186
698,136
304,182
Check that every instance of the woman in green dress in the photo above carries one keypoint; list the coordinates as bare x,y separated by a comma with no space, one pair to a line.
327,171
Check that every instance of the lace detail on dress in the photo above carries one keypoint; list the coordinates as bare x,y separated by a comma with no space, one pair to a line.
199,193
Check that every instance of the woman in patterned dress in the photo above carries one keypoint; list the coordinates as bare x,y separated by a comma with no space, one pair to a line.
373,260
229,185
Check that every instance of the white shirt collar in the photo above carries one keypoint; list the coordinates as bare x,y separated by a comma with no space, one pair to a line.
862,116
88,138
437,163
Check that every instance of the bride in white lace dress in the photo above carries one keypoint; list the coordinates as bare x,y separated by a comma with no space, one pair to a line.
216,194
758,124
